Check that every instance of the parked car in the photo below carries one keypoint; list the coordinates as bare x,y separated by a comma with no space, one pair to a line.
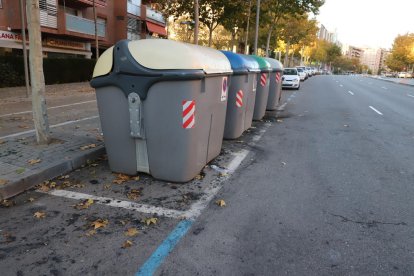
302,74
304,70
310,71
404,75
291,78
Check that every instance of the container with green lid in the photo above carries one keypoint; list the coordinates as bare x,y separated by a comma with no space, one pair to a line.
262,91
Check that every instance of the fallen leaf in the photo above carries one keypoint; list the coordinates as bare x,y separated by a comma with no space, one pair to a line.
283,163
44,187
107,186
91,233
31,199
149,221
20,170
3,181
23,126
127,244
8,237
7,203
39,215
221,203
131,232
279,121
63,177
34,161
90,146
198,177
2,142
134,194
99,223
121,178
85,204
136,178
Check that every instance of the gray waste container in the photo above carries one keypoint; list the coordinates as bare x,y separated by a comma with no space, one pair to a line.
275,86
262,90
242,94
162,106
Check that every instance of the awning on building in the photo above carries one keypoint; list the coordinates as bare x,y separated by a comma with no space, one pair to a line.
155,28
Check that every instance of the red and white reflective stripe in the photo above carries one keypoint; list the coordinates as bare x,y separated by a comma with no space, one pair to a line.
263,79
277,76
188,114
239,98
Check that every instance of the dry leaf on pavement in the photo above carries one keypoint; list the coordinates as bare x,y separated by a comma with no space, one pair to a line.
99,223
91,232
134,194
39,215
7,203
31,199
131,232
84,205
221,203
34,161
121,178
90,146
3,181
149,221
127,244
2,142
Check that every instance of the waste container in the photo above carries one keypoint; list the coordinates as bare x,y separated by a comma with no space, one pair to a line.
242,94
162,106
262,90
275,85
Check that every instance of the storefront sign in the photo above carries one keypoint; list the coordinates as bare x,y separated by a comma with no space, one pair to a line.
60,43
9,36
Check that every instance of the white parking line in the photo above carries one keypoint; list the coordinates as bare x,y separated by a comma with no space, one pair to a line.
113,202
52,126
53,107
376,110
409,95
350,92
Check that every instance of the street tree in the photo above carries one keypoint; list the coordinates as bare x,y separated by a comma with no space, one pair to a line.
402,53
37,77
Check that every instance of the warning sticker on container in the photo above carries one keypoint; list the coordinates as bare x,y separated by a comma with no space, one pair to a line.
224,90
239,98
188,114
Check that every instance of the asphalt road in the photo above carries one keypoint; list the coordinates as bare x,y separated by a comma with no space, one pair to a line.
324,188
330,192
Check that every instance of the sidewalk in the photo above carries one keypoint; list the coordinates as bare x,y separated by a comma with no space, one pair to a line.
23,163
409,82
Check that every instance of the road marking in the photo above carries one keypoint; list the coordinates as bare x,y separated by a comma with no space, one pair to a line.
282,107
383,87
409,95
52,126
53,107
350,92
113,202
376,110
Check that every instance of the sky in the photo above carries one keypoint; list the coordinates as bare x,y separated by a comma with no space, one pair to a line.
368,23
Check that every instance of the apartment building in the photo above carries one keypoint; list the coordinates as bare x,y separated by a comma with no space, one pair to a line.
68,26
352,51
372,58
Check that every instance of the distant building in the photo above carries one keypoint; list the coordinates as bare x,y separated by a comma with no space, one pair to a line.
384,56
375,58
68,28
324,34
352,51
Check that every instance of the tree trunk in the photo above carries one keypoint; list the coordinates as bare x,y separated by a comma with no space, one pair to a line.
210,35
256,35
285,61
37,77
269,36
95,19
196,21
26,68
246,41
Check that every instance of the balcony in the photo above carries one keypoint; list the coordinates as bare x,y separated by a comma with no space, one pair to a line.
84,26
155,15
134,9
79,4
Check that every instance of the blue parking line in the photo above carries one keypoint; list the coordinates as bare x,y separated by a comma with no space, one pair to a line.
165,248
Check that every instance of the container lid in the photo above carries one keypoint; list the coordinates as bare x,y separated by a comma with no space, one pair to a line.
241,63
276,65
263,64
163,54
104,64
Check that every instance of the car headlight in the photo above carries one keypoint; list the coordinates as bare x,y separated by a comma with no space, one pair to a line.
295,80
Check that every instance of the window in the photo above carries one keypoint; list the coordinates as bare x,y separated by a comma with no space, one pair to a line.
1,4
134,28
48,13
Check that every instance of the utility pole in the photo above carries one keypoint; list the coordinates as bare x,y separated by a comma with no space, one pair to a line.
95,19
26,68
37,77
256,35
246,41
196,21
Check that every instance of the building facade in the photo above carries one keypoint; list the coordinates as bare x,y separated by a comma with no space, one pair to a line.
352,51
68,26
324,34
372,58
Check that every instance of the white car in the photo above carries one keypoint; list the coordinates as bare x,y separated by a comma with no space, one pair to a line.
302,74
304,70
291,78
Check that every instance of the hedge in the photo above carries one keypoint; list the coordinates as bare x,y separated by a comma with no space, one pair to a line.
56,70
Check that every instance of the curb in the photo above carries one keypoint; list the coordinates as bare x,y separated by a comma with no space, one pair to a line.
65,166
406,84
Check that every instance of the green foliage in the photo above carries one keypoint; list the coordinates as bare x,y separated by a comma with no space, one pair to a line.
402,53
55,70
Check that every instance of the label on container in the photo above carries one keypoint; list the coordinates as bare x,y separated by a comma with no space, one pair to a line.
224,90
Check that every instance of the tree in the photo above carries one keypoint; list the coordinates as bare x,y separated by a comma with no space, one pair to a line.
276,10
37,77
402,53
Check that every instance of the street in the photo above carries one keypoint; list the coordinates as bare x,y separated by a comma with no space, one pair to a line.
323,187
